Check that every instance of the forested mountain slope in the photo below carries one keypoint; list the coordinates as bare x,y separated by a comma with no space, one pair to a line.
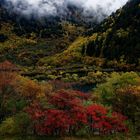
58,42
119,35
115,43
35,38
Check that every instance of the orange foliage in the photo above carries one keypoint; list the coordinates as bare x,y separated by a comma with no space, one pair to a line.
30,89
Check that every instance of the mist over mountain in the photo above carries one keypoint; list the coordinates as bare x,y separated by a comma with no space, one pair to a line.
89,9
114,38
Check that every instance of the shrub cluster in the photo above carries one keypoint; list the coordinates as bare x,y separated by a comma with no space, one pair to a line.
67,116
122,93
31,107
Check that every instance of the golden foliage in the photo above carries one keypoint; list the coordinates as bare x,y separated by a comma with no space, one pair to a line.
30,89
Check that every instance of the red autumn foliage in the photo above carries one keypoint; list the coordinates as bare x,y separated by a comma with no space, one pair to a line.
54,122
99,119
70,115
67,99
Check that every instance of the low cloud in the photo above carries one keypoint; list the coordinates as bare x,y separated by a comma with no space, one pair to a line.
44,8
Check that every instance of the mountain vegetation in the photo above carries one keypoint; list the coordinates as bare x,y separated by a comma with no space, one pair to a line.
67,76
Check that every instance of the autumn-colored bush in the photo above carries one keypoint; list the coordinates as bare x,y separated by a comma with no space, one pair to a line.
67,115
122,93
67,105
16,92
100,121
15,125
28,88
67,99
107,90
51,122
127,101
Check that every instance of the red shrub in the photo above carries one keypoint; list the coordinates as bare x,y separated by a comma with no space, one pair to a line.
71,102
67,99
101,121
70,115
54,122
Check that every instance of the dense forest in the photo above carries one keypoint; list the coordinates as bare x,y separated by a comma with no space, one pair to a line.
67,77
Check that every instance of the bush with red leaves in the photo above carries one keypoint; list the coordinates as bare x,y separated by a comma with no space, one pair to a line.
66,100
69,115
100,121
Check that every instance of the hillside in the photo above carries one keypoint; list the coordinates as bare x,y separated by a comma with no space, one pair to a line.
35,37
67,44
118,36
112,44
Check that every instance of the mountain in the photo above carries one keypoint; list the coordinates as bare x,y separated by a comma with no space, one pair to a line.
119,35
69,41
112,44
34,38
